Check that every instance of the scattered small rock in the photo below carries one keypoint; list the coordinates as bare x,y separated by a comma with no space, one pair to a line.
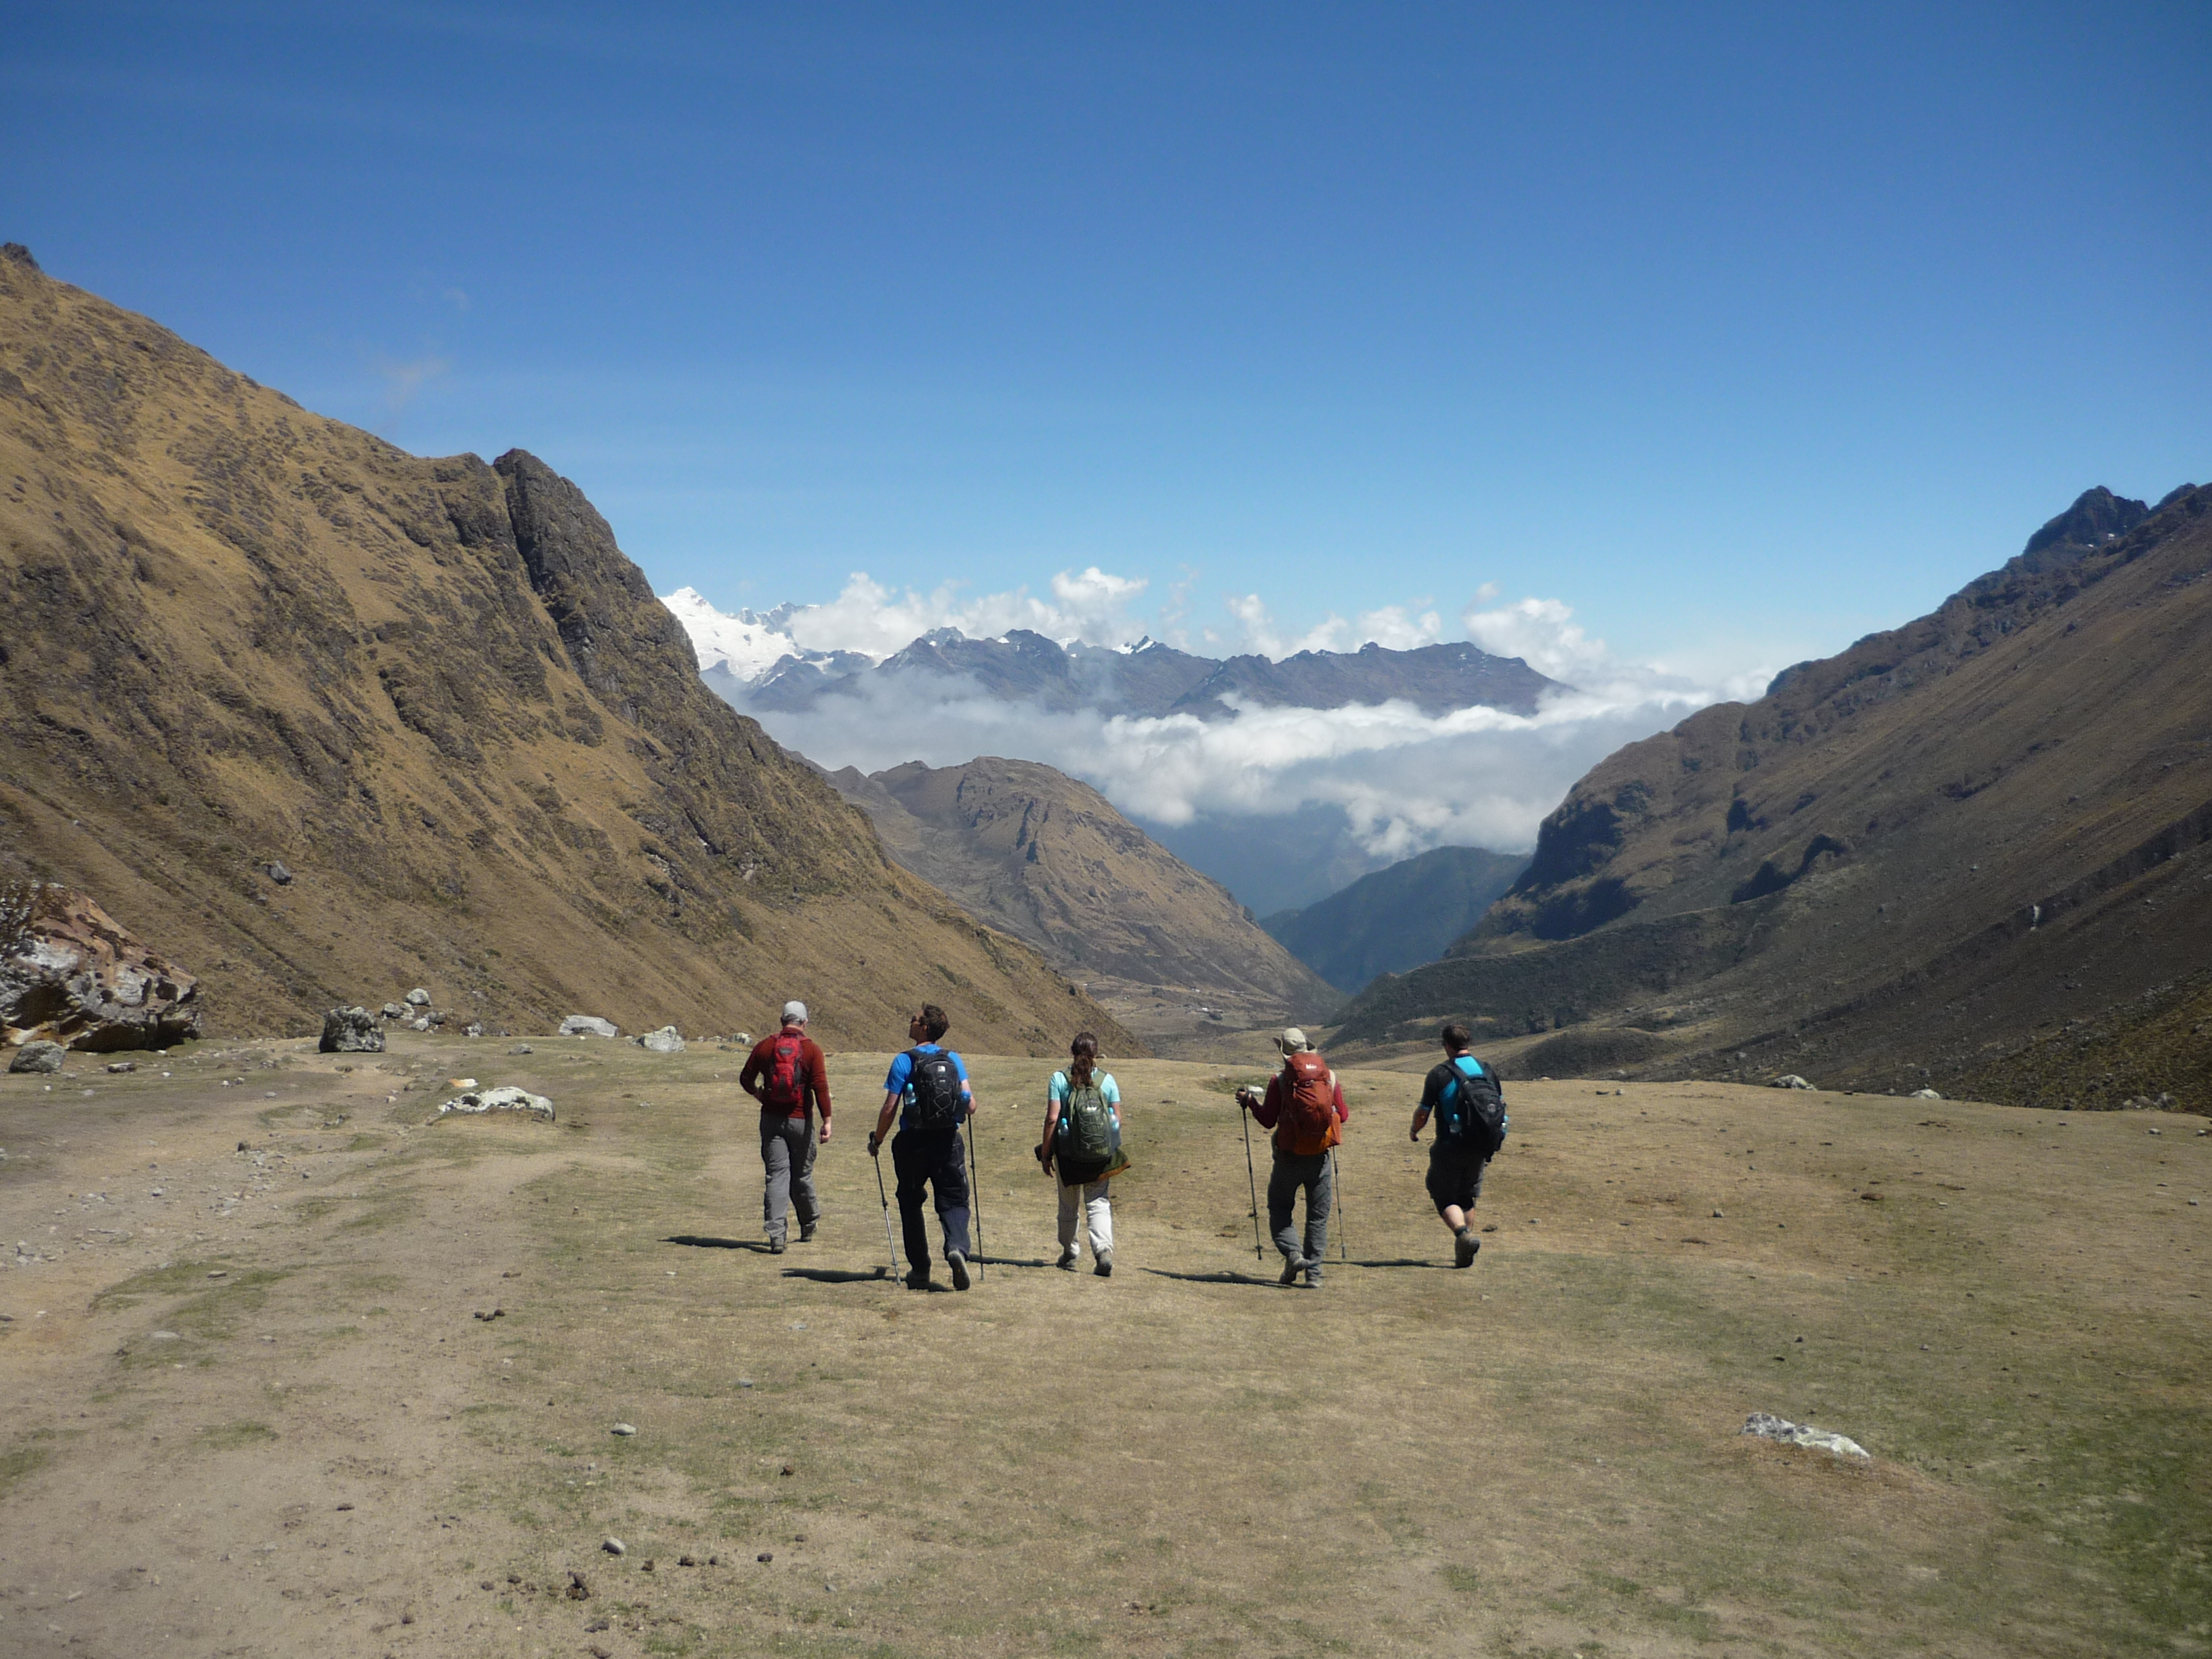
343,1508
615,1545
765,1555
418,998
37,1056
665,1041
122,1066
278,873
393,1011
419,1025
1766,1426
627,1429
787,1470
588,1025
1717,1216
1791,1080
578,1590
497,1313
685,1561
1924,1094
162,1336
474,1028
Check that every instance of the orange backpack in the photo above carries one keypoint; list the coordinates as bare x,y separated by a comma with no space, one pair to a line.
1308,1119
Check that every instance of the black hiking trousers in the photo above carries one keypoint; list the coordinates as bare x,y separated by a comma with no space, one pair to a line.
936,1159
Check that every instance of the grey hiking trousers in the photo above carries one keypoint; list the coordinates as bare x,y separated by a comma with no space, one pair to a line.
1292,1171
787,1147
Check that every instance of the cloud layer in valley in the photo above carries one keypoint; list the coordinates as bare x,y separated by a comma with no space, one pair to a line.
1404,781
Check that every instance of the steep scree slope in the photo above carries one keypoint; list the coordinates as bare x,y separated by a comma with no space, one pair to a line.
239,634
1954,853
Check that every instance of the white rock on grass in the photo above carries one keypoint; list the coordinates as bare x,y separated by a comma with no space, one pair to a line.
665,1041
1791,1080
418,998
1925,1094
1767,1427
509,1099
588,1025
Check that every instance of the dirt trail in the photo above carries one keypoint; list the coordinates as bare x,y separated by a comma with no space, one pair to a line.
326,1448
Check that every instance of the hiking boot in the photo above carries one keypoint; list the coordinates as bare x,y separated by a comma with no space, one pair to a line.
807,1232
918,1279
1104,1266
776,1246
1313,1278
1070,1258
958,1263
1464,1249
1292,1267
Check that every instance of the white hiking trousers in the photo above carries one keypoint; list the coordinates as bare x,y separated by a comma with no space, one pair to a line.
1098,1214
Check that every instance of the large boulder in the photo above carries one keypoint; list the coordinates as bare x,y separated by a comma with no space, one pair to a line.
504,1099
588,1025
38,1055
70,973
665,1041
351,1031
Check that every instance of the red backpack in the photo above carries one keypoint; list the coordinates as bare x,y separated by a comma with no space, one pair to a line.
785,1083
1308,1119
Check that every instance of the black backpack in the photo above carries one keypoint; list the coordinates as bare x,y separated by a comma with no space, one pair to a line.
934,1081
1471,1111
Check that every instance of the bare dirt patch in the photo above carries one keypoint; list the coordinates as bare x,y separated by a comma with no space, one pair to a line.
257,1410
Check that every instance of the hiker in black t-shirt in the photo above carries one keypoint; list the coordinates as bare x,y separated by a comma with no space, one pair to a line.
1463,1094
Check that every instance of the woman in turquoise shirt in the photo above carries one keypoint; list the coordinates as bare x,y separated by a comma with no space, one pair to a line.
1078,1097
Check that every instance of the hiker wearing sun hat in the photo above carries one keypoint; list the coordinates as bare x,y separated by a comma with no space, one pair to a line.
787,1073
1304,1107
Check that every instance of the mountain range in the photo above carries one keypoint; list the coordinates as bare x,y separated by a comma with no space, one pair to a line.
1972,852
748,659
1048,859
325,721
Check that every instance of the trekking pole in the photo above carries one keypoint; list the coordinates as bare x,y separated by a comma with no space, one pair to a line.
886,1198
976,1195
1251,1180
1336,1181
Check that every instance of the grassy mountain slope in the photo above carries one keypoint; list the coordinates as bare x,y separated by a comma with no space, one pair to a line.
1396,918
437,692
1982,837
1051,861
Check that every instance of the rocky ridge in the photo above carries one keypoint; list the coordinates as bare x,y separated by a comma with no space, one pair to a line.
1049,859
1972,852
434,693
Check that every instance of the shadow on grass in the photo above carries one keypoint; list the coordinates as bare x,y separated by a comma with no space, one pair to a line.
840,1276
700,1242
1224,1277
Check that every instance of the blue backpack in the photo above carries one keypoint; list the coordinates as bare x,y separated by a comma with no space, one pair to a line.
1471,1111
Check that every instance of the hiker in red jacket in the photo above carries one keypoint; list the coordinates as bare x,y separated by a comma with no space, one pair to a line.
1304,1106
786,1072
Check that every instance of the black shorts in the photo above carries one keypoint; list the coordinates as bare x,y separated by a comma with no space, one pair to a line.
1454,1175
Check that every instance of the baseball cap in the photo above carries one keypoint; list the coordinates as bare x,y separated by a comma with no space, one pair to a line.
794,1012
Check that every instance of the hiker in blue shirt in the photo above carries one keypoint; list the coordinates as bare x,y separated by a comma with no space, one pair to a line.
927,1091
1463,1094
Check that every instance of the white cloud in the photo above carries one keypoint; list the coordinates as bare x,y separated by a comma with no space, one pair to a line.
1404,781
1259,633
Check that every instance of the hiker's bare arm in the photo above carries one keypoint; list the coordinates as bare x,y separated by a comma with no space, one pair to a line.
883,1121
1420,1120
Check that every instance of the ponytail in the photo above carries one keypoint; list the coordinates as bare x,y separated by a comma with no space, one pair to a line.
1082,1054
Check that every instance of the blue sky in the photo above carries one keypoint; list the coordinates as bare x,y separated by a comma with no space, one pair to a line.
1739,330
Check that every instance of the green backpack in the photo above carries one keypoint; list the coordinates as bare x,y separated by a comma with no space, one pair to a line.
1086,1127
